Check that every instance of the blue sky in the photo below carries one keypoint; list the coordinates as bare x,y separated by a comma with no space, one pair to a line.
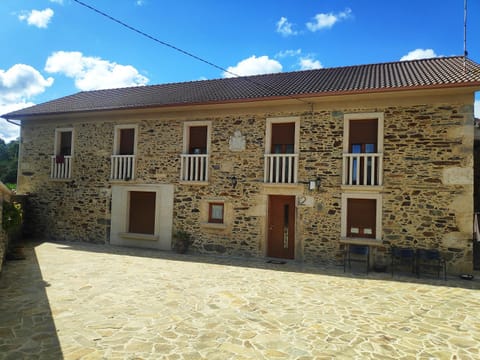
53,48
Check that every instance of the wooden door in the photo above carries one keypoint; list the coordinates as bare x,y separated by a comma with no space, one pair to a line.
281,227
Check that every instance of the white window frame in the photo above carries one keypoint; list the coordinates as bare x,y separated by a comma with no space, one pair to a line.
58,137
186,133
116,138
363,116
282,120
379,210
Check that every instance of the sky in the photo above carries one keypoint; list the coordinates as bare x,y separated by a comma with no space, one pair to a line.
54,48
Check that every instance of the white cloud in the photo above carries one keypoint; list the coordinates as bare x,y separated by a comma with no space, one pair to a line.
288,53
419,54
139,2
326,21
308,63
38,18
284,27
17,85
254,66
57,1
21,82
92,73
8,131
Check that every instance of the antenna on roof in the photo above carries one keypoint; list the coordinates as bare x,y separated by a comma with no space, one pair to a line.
465,52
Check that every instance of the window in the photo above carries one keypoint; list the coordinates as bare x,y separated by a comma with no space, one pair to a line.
281,150
142,212
61,161
124,150
215,213
64,142
361,218
197,140
283,138
361,215
125,140
196,144
363,146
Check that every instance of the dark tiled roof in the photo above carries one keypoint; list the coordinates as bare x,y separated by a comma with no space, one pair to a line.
427,73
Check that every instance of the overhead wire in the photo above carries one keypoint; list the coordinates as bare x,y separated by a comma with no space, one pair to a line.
184,52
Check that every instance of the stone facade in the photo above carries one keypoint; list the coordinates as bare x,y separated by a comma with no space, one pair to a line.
427,192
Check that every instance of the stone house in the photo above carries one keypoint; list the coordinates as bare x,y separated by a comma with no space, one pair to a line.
288,165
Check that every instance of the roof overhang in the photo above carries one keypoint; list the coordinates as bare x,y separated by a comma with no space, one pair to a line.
306,101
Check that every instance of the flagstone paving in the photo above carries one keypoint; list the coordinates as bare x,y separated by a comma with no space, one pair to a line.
80,301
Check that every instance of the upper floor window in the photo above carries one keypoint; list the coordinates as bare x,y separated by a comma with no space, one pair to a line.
61,161
363,147
283,138
124,150
196,147
197,139
281,150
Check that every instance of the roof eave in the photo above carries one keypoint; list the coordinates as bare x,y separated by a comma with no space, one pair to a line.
299,97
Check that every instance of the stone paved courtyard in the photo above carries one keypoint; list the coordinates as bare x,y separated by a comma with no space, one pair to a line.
80,301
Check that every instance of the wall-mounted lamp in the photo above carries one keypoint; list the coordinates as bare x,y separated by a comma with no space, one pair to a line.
314,184
233,181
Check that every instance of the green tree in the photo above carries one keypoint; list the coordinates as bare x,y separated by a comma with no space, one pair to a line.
8,161
3,150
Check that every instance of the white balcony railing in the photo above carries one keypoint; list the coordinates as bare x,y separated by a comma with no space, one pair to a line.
281,168
61,167
194,167
363,169
122,167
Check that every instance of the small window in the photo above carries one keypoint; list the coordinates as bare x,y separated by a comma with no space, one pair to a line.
215,213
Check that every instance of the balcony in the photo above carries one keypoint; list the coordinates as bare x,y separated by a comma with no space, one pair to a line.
122,167
363,169
194,167
281,168
61,167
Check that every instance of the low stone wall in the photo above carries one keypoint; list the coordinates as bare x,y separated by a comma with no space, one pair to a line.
4,196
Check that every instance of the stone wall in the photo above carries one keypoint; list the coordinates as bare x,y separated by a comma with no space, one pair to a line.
427,192
4,196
